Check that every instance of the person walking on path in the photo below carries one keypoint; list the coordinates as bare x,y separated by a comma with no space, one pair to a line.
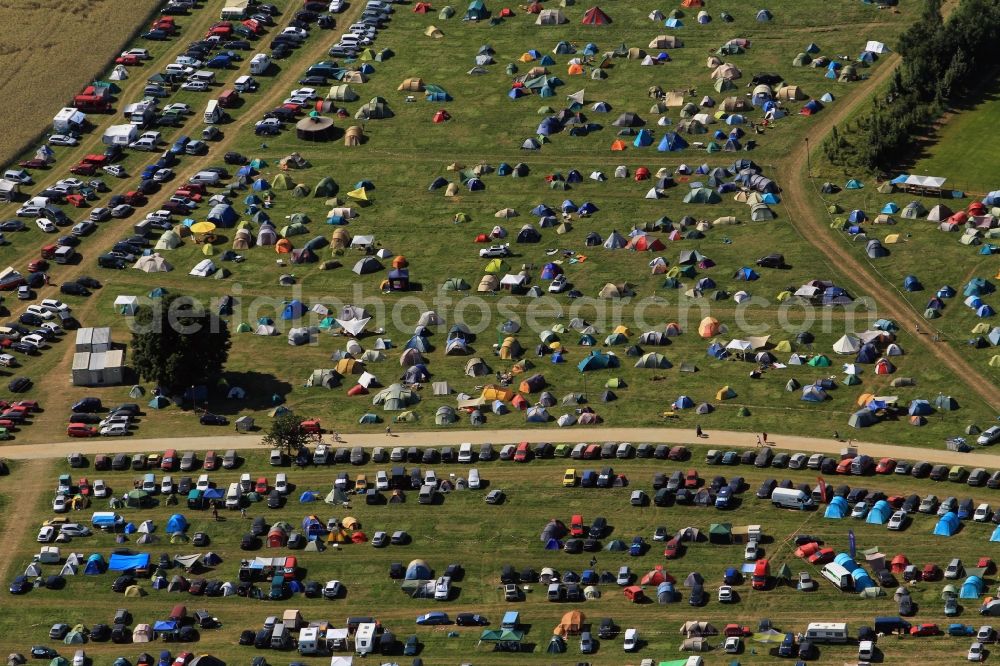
215,513
388,431
758,441
697,431
764,437
243,512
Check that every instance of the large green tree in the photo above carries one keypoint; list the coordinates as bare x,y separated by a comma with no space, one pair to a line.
286,433
177,343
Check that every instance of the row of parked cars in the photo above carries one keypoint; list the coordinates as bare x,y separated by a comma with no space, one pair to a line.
857,465
168,461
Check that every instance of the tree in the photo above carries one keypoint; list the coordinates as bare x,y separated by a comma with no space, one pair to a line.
178,344
285,433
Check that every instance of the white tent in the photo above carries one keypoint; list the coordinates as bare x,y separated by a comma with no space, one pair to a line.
203,268
126,305
354,326
847,344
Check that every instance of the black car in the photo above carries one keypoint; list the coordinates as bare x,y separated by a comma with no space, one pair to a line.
772,261
275,499
12,225
20,585
234,158
30,319
73,289
249,542
412,647
471,620
87,405
920,469
19,385
100,632
313,590
237,45
111,261
213,419
607,629
247,636
598,528
89,282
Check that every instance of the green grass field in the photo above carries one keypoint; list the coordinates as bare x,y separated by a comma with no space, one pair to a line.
508,534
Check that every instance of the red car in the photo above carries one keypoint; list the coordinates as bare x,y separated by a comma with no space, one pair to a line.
261,486
182,659
83,169
129,60
81,430
211,461
691,479
76,200
37,265
931,572
672,549
34,164
822,556
733,629
844,466
885,466
84,486
522,452
576,525
925,629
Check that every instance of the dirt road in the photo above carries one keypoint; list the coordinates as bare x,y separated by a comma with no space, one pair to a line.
798,193
728,439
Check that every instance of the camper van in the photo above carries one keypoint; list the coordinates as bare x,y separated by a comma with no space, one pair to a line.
839,576
465,452
213,112
149,483
827,632
106,520
312,641
259,64
790,498
233,496
245,84
364,639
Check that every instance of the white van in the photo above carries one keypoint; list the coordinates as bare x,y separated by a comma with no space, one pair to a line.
233,496
465,452
246,483
213,112
203,483
474,481
259,64
792,498
149,483
245,84
205,178
827,632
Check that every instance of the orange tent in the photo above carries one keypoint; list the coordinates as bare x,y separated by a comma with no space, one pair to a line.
689,4
283,246
492,392
400,262
422,8
572,623
709,327
618,144
575,69
357,389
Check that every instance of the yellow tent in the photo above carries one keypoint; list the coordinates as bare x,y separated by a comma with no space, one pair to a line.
202,227
361,194
348,366
432,31
995,361
350,523
336,536
864,399
526,57
624,330
783,346
891,239
510,348
784,296
494,392
725,393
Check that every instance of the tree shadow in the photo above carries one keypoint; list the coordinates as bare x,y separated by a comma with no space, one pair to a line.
260,390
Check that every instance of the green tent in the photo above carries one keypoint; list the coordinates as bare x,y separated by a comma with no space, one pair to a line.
325,188
282,182
820,361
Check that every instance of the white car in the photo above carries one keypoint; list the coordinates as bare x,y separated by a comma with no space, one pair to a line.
982,513
332,589
40,311
442,589
116,170
46,225
55,329
74,530
897,521
142,54
624,576
559,284
495,251
167,485
203,483
59,504
430,478
53,305
336,6
177,107
301,33
46,535
115,430
101,489
750,552
116,419
733,645
726,594
976,652
631,643
63,140
70,183
308,93
297,100
381,480
281,483
36,341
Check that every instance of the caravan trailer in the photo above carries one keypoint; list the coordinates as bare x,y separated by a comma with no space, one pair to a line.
827,632
364,639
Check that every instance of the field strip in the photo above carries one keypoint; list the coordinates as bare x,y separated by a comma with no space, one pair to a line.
715,438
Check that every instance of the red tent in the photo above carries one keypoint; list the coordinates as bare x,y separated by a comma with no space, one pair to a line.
596,16
899,564
506,12
976,208
642,173
359,537
519,402
646,243
357,389
441,116
482,238
534,8
422,7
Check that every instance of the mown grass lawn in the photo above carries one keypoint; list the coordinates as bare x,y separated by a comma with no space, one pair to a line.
508,534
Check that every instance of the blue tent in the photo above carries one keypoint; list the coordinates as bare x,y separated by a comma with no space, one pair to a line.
293,310
673,23
912,283
947,525
996,534
684,402
160,583
475,185
213,493
537,415
568,206
857,216
587,208
307,496
846,561
747,274
95,565
158,402
260,185
417,570
597,360
867,354
837,508
985,310
176,523
119,562
771,198
541,210
890,208
716,350
643,138
295,586
972,588
813,393
672,142
879,513
165,625
947,291
129,528
862,581
920,407
548,126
